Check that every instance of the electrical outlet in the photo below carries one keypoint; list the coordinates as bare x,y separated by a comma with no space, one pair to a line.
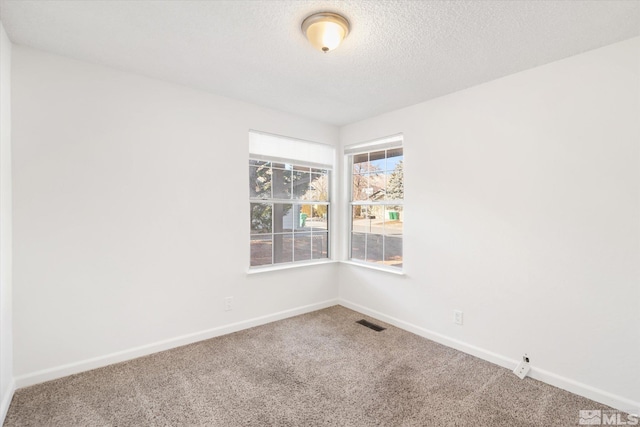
228,304
458,317
522,369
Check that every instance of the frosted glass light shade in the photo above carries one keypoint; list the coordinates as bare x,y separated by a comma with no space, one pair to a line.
325,30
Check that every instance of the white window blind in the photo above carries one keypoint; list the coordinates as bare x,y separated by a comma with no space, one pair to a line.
392,141
277,148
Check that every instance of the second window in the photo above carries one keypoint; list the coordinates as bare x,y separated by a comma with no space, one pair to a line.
377,214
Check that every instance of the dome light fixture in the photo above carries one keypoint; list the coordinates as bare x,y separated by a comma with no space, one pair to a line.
325,30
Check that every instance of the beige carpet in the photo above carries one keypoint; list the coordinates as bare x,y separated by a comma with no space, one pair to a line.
316,369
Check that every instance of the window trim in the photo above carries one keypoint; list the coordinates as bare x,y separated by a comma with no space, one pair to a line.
377,267
288,265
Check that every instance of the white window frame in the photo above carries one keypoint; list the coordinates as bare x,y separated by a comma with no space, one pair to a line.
294,153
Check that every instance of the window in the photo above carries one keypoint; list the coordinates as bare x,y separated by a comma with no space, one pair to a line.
376,203
289,209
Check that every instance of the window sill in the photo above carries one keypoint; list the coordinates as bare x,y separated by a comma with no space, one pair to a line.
258,270
375,267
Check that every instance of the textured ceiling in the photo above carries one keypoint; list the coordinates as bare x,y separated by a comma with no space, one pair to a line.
398,52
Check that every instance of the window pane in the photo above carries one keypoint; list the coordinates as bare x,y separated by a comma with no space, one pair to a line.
393,251
302,247
260,250
376,219
319,218
281,184
360,221
304,218
395,183
259,163
374,247
360,185
319,188
377,161
358,242
393,221
301,183
260,218
260,181
282,217
394,156
376,189
283,247
320,245
361,163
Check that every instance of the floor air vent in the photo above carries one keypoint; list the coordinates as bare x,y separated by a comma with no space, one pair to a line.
370,325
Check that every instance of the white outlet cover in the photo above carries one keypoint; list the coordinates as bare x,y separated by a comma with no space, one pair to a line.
228,303
522,369
458,317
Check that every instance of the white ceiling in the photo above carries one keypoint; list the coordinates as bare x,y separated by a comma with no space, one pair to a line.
398,53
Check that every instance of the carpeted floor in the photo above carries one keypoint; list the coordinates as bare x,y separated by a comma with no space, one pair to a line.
316,369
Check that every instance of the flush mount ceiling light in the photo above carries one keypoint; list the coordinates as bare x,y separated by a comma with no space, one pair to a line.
325,30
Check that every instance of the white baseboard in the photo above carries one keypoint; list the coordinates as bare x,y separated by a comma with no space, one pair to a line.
6,401
121,356
610,399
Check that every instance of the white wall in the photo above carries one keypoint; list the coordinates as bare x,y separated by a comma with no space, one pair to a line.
523,210
131,216
6,336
